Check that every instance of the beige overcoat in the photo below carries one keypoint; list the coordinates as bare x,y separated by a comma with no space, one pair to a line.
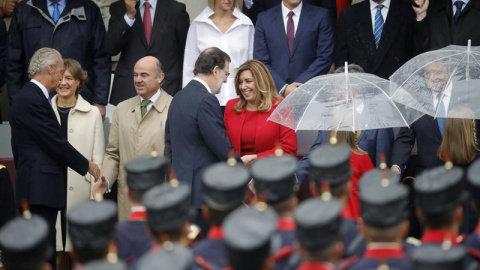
85,133
132,136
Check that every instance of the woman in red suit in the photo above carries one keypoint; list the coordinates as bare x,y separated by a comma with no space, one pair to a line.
246,117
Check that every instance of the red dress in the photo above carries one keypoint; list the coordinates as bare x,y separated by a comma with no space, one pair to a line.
251,133
360,164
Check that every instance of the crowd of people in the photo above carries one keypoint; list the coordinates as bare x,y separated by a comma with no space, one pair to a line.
205,181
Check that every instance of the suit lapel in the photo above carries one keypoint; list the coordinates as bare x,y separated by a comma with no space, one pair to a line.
158,20
138,27
280,28
364,27
135,109
302,25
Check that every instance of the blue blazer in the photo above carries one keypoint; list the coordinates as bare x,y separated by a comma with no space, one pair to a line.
195,136
312,53
376,142
40,152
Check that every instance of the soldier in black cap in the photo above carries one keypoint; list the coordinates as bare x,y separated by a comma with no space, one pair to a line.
439,257
171,257
384,223
318,232
439,195
131,236
24,243
91,228
473,240
168,211
248,237
275,182
224,189
330,169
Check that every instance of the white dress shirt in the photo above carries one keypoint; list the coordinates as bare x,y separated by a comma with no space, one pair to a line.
237,42
153,99
43,88
446,99
373,10
295,17
203,83
153,6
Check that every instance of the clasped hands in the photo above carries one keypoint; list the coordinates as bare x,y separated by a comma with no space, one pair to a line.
99,186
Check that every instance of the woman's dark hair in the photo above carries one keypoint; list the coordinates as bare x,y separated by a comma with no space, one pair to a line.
74,67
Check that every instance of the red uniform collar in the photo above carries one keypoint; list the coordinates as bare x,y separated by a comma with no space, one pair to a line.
286,224
215,233
316,266
439,236
383,251
138,215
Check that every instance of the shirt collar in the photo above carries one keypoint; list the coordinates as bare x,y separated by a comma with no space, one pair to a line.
61,3
296,10
153,3
464,1
43,88
385,4
154,98
204,16
204,84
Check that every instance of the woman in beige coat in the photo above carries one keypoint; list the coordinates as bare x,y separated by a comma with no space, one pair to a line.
83,127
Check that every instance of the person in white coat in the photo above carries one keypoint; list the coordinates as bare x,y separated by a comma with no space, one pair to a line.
82,125
220,25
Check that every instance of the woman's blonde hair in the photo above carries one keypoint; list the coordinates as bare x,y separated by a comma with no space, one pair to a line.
459,138
211,4
266,90
349,138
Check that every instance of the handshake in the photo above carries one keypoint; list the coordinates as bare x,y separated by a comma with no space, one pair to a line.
100,186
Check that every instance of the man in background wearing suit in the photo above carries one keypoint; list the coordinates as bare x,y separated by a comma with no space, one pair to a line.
138,124
140,28
195,135
40,152
295,41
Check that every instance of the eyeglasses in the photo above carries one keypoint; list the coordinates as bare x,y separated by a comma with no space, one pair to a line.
228,74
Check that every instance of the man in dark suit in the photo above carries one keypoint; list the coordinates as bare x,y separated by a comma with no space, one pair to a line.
295,41
447,22
195,135
355,36
164,37
3,55
40,152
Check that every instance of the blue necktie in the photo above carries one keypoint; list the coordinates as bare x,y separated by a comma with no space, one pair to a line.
458,5
441,115
377,32
56,12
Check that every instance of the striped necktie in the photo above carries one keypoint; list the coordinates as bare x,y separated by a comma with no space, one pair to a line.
378,25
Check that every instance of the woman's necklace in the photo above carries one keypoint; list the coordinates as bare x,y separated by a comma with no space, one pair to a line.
64,109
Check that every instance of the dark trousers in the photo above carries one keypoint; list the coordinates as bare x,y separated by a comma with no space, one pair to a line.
50,216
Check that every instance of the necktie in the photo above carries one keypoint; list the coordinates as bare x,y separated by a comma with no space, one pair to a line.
377,32
441,114
147,21
143,106
459,5
290,31
56,12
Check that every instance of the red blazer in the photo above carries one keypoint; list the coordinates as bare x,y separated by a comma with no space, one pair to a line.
268,133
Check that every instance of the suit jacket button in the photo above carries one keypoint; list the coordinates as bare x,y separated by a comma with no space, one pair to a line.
70,188
71,130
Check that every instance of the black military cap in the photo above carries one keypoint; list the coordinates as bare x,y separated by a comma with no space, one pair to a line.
92,224
104,265
376,178
439,189
275,177
224,185
146,172
384,206
438,257
318,222
24,243
248,234
331,163
173,257
473,176
168,206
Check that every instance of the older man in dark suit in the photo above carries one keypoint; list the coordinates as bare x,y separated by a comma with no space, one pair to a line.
163,36
40,152
195,135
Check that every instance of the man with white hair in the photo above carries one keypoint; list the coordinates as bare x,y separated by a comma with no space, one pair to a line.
40,152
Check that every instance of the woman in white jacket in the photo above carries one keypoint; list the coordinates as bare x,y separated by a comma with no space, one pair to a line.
82,125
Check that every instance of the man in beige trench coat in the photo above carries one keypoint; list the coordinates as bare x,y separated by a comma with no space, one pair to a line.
137,124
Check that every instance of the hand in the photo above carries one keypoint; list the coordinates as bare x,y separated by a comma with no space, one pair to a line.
100,186
9,6
131,11
421,11
93,170
102,110
290,88
248,159
395,169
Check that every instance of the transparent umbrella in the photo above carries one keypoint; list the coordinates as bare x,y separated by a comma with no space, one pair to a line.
450,75
344,101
